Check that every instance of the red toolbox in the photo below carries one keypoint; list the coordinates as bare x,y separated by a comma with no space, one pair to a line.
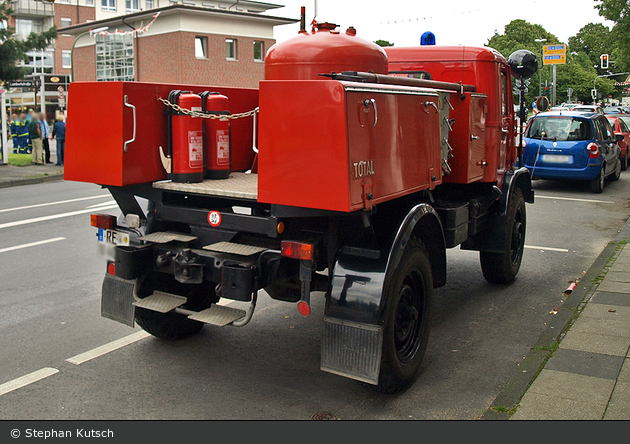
114,130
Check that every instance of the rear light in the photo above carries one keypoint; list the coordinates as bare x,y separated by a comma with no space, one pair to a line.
524,143
304,308
297,250
111,269
106,221
593,150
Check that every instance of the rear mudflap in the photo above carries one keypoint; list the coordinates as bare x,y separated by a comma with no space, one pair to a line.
117,299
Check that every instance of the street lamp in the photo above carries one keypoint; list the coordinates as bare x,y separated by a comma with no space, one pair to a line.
542,58
95,31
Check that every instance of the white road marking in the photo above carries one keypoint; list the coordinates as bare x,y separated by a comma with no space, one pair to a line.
55,203
109,202
32,244
27,379
104,349
537,196
534,247
51,217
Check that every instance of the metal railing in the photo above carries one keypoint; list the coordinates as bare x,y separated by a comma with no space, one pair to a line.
32,8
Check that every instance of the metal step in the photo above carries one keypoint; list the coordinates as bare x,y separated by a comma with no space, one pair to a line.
234,248
218,315
163,237
161,302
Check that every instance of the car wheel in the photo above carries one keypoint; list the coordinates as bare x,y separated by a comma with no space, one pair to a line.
617,173
597,184
624,162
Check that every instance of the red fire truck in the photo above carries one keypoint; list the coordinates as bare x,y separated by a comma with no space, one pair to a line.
352,170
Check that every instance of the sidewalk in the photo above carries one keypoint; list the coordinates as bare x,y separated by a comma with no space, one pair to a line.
11,175
580,367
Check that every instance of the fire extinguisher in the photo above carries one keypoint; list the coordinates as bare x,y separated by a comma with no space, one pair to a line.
184,160
217,138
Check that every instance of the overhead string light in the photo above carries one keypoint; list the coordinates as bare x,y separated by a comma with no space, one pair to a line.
134,32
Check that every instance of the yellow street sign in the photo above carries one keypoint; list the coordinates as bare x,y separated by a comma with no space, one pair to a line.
554,49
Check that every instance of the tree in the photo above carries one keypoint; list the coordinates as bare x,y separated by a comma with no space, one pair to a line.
618,11
14,49
594,39
383,43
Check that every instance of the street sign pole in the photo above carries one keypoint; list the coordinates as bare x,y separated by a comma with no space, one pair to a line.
553,90
5,139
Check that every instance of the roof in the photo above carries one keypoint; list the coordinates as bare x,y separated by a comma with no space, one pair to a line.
439,53
172,10
568,114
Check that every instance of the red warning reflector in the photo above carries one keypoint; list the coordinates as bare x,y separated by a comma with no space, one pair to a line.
297,250
304,308
111,269
106,221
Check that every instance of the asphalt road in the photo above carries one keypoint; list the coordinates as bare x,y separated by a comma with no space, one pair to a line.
52,335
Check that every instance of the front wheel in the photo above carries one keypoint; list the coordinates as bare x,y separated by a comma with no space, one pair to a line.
502,268
407,319
597,184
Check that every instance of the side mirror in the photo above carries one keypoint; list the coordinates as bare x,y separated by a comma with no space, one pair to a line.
619,137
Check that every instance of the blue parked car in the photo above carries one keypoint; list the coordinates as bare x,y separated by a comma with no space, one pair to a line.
572,145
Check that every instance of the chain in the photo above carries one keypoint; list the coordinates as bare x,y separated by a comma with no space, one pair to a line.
189,112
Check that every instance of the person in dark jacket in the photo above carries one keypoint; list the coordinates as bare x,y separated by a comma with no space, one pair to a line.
59,133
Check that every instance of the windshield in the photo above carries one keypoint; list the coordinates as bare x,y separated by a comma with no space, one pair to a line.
559,129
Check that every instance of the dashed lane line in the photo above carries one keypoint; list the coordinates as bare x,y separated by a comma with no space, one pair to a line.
574,199
55,203
535,247
109,347
32,244
51,217
25,380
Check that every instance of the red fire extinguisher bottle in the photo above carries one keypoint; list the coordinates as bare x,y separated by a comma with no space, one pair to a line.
217,137
185,148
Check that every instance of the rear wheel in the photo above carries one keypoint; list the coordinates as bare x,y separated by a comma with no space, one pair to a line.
617,173
171,326
502,268
407,319
597,184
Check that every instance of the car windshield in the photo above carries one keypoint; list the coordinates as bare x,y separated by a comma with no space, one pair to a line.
561,128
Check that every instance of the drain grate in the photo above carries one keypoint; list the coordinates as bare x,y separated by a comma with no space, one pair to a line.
324,416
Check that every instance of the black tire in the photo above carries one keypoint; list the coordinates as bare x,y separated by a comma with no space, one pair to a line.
617,173
502,268
407,319
624,162
597,184
170,326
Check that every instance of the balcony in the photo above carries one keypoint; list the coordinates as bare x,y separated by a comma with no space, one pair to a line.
33,8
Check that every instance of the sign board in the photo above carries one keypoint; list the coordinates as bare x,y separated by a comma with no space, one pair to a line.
21,84
594,94
554,54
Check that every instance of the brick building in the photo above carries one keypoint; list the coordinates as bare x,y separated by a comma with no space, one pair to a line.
183,44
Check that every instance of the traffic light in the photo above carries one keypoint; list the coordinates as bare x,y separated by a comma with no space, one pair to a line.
604,61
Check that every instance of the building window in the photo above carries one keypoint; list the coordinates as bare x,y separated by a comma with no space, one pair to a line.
65,22
66,59
208,5
108,5
173,2
89,2
63,1
114,57
201,47
230,49
40,61
148,4
132,5
24,27
259,47
188,2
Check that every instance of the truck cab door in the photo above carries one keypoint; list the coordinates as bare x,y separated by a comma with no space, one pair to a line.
506,155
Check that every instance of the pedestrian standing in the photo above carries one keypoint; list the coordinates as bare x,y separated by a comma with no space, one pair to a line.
59,133
45,135
22,134
29,143
14,133
35,134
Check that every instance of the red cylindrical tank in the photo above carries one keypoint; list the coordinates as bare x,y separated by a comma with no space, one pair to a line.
321,52
186,139
217,144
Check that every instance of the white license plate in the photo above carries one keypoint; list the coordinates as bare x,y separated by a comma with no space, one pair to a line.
107,242
555,158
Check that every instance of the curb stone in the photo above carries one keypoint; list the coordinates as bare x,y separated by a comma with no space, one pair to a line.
30,181
528,369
